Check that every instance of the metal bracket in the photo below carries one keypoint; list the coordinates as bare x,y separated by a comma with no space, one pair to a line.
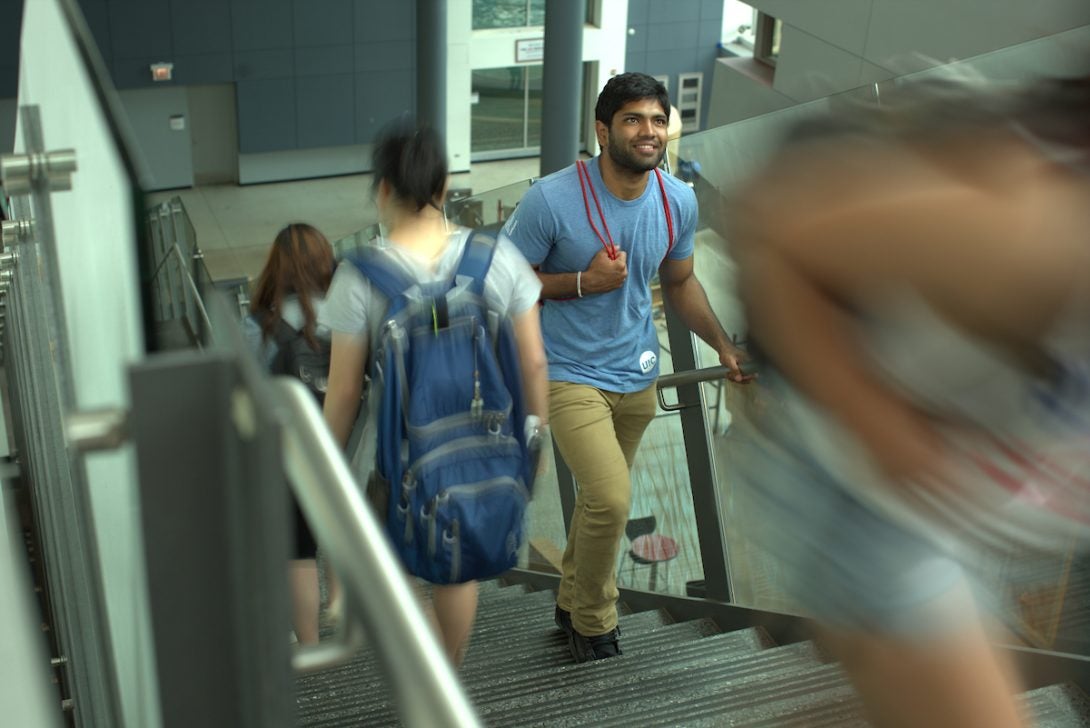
19,172
16,231
105,429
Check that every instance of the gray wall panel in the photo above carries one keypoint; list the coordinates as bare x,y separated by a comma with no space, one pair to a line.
638,11
670,36
140,28
637,40
97,14
8,110
380,97
200,26
382,20
273,63
9,81
204,68
324,61
394,56
325,110
322,22
266,115
684,11
675,37
260,24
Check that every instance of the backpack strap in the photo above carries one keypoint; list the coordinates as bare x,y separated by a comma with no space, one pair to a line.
477,259
284,333
390,280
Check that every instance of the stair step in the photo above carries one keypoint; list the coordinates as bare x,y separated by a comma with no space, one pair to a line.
361,687
551,651
804,694
1058,706
640,677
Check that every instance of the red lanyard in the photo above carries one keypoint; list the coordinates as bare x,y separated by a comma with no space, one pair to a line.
607,240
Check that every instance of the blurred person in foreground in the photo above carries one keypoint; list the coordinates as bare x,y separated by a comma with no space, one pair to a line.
917,276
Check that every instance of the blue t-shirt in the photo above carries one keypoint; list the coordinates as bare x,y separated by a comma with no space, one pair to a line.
606,340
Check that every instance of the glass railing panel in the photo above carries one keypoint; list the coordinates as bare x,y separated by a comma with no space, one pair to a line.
77,293
488,209
1046,597
350,244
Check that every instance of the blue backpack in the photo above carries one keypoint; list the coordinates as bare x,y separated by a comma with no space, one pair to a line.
451,440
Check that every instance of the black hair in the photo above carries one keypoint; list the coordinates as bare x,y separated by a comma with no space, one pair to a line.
412,159
627,87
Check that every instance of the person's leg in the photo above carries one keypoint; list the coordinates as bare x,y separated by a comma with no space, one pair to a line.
455,608
582,423
305,599
631,417
942,681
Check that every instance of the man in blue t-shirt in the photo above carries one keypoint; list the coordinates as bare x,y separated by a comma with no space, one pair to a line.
597,234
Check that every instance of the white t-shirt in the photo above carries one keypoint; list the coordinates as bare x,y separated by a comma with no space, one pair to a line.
292,313
354,306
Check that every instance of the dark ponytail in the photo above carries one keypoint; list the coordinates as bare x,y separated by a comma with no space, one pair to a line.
413,161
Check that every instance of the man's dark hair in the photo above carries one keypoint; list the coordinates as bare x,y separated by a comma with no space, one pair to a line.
627,87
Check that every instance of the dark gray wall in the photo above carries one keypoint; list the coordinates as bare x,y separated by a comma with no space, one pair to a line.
309,73
679,36
11,21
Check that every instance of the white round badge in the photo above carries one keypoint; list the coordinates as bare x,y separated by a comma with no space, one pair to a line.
647,361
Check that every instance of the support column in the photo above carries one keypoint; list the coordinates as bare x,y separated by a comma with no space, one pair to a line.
563,84
431,64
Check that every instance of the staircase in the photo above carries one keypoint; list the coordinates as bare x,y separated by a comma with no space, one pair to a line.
673,673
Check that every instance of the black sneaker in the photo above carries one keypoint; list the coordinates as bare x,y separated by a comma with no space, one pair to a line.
562,617
599,647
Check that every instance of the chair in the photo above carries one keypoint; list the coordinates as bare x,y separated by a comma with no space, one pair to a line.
649,548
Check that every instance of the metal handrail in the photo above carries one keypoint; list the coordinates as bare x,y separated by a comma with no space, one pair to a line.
376,591
694,376
187,278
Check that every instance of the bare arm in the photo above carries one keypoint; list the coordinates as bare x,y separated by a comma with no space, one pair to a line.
348,357
535,385
686,296
601,275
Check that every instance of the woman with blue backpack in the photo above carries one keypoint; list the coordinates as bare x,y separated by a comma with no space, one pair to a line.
284,332
445,320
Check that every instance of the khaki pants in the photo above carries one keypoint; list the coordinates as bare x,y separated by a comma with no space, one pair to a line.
597,433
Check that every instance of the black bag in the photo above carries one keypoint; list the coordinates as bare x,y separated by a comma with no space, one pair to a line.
296,358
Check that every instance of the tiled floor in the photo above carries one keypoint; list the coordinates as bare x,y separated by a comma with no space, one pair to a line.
236,224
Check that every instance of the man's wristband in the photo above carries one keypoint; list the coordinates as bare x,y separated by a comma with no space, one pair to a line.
579,284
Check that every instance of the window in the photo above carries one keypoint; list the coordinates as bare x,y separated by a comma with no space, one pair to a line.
508,13
767,42
506,114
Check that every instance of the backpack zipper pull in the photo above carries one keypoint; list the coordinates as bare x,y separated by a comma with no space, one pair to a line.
476,405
